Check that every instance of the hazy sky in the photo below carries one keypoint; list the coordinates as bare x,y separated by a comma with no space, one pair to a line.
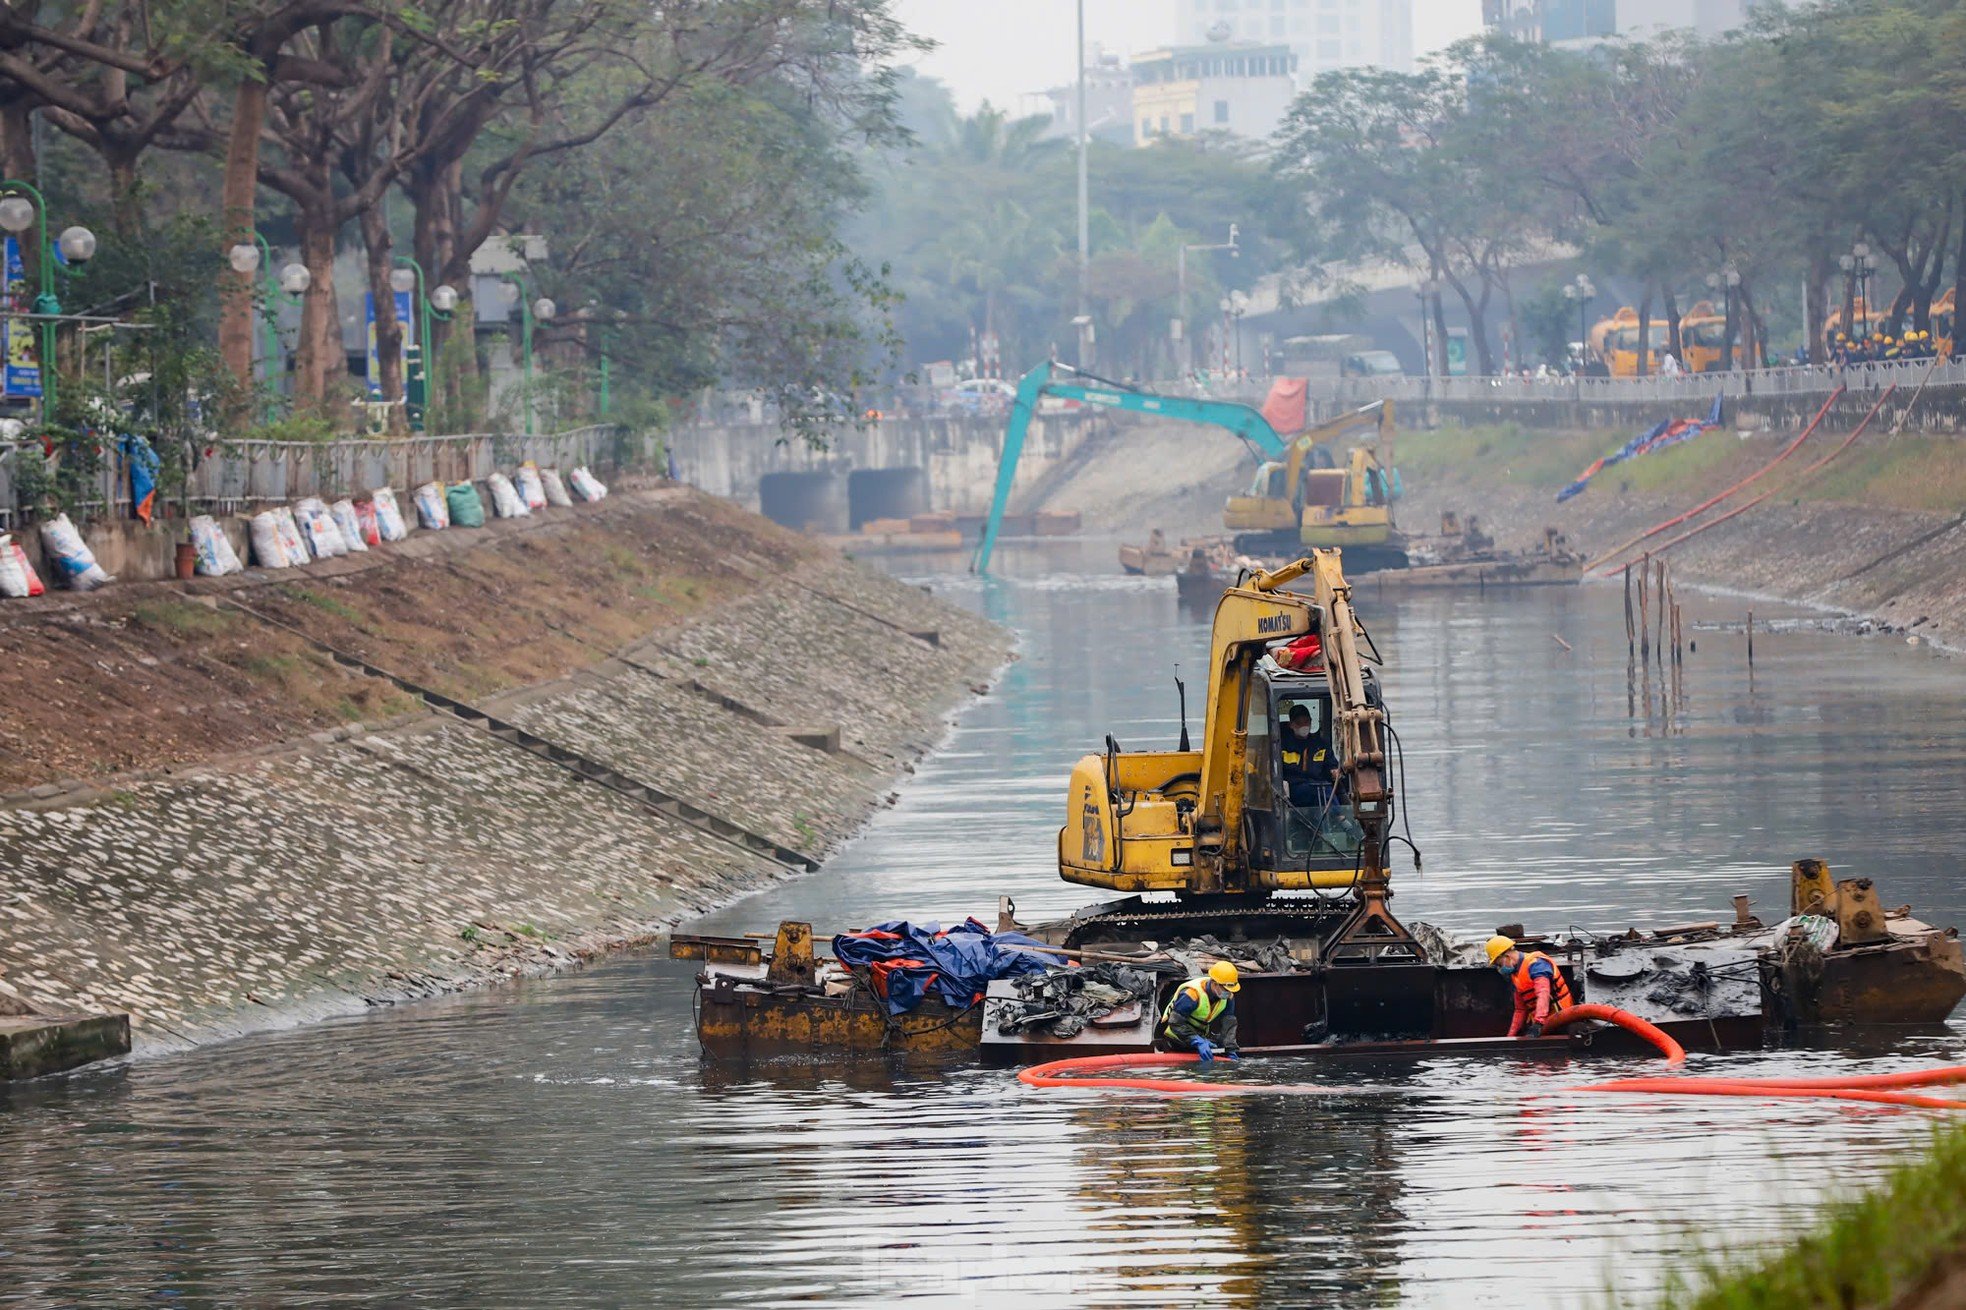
1002,49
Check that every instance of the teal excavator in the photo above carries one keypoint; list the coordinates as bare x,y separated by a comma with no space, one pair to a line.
1321,524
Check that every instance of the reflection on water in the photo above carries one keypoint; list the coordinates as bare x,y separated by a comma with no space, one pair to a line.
561,1143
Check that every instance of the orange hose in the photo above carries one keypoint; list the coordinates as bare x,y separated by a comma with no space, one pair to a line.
1800,478
1049,1075
1711,501
1822,1089
1631,1023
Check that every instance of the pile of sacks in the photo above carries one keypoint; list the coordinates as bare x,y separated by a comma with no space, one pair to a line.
310,530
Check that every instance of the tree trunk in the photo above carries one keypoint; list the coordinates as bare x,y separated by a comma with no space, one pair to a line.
1512,351
1438,366
1752,332
388,328
1645,331
125,199
1674,346
1815,308
1959,283
237,192
319,358
17,161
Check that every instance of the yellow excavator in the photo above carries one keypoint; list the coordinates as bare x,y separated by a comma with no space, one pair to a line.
1307,500
1223,827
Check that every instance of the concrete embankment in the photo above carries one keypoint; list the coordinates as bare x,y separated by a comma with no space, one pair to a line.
240,803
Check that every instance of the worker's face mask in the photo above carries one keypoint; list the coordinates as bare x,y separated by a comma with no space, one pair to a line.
1302,731
1502,965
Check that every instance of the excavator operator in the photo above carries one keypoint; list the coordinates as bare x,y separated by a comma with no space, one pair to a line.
1540,990
1202,1015
1307,760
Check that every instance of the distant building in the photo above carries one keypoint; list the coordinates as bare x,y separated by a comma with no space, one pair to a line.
1560,22
1322,34
1243,89
1108,101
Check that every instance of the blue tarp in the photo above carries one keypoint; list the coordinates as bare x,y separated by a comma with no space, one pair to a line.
1668,432
908,961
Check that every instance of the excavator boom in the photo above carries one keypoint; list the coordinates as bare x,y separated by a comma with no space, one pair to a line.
1046,380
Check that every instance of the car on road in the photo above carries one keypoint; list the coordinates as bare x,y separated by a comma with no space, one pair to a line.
1371,364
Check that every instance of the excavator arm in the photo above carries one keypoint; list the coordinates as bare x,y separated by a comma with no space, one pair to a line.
1046,380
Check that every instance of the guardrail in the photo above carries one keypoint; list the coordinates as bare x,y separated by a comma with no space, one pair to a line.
1686,388
231,475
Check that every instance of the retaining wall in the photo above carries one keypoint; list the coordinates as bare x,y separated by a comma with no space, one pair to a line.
380,861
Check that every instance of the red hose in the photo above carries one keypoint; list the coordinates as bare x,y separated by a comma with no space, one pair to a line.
1049,1075
1631,1023
1711,501
1821,1089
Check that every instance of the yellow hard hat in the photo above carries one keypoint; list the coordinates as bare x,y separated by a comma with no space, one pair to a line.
1224,975
1498,947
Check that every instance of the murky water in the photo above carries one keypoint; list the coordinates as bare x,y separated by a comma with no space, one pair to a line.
560,1143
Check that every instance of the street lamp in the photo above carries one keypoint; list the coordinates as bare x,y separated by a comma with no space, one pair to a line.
21,207
1581,290
1724,282
1234,247
1238,304
1865,266
541,310
438,302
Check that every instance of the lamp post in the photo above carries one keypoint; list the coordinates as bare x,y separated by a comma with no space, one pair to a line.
1865,266
21,207
1724,282
246,258
530,310
1238,306
1233,246
1581,290
437,302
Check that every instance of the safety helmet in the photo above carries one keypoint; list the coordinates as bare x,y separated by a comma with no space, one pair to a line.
1224,975
1499,946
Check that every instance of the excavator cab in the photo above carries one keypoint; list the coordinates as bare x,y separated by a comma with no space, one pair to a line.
1298,818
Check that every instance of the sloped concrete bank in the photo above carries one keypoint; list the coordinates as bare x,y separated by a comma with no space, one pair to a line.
244,803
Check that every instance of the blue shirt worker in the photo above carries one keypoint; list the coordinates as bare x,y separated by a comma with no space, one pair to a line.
1202,1015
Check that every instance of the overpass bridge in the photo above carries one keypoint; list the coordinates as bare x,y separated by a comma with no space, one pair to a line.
883,468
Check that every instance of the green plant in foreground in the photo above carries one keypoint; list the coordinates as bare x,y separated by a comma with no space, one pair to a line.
1863,1252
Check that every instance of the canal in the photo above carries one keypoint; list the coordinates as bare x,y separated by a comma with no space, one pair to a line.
561,1143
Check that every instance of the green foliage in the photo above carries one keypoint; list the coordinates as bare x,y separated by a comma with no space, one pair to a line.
978,223
1863,1252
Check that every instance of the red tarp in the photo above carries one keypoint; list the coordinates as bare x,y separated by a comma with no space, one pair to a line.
1285,406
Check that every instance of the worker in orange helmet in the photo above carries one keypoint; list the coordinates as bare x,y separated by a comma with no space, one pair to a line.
1540,990
1201,1017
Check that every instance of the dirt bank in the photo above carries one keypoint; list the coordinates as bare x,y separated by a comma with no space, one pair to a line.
218,825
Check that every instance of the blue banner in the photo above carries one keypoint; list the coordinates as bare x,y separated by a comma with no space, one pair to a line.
21,375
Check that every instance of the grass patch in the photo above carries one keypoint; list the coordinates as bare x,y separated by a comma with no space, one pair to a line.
341,609
678,591
1923,473
1498,454
185,618
1863,1252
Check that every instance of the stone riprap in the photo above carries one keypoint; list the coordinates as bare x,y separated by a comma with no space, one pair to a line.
322,876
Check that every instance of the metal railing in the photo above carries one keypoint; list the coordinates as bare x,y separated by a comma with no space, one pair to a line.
232,475
1685,388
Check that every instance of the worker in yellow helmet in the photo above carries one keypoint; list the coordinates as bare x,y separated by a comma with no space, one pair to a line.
1540,990
1201,1017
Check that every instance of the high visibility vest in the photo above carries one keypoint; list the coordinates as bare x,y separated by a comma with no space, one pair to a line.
1525,986
1294,755
1205,1012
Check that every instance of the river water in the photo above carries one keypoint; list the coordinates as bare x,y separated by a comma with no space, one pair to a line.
561,1143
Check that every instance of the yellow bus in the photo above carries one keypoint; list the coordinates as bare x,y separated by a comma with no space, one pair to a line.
1615,341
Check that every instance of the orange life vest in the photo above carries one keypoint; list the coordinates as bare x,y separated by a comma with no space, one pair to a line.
1525,986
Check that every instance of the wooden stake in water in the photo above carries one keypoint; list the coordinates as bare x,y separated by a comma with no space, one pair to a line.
1750,638
1645,608
1631,638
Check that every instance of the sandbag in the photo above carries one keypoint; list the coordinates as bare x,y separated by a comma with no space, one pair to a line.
506,502
269,546
291,541
15,552
317,527
467,507
73,562
349,524
586,485
531,489
556,490
13,579
366,526
216,558
389,523
432,506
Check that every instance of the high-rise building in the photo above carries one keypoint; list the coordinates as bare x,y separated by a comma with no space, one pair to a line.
1243,88
1559,21
1323,34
